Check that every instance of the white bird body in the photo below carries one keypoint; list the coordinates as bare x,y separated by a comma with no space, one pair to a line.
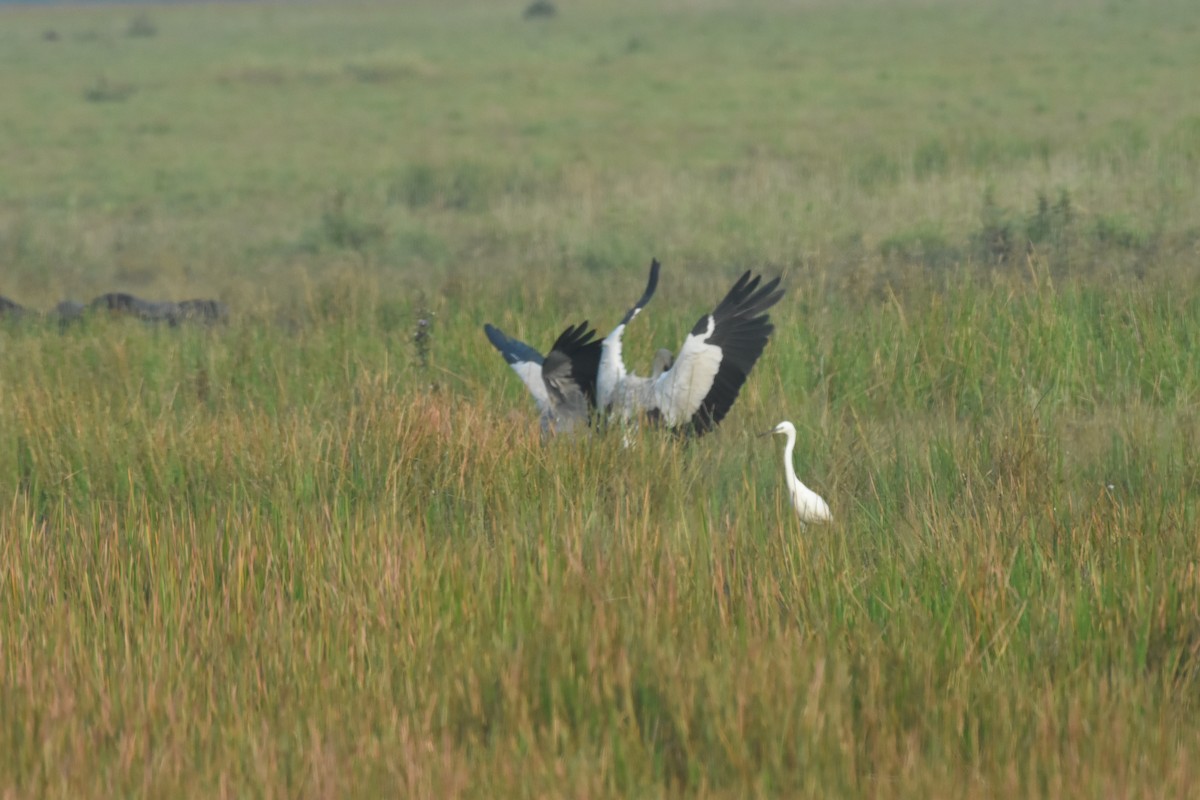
670,392
809,505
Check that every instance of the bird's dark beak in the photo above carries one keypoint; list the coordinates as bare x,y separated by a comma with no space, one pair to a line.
765,433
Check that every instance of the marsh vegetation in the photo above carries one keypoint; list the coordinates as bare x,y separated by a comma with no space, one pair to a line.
322,550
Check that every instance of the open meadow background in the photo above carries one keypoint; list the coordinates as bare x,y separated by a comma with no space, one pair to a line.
304,555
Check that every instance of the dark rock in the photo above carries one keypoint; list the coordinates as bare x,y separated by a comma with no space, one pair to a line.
11,310
68,310
121,304
540,8
197,310
203,310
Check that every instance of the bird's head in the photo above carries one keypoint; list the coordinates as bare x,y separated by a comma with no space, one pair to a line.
663,359
783,427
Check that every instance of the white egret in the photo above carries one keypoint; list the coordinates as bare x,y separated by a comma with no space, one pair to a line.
808,504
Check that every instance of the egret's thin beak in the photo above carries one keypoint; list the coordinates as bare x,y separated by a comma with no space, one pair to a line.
765,433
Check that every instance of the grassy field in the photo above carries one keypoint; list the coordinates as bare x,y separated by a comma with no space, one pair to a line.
300,555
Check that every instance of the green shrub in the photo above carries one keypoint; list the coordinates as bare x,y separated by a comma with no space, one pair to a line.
106,91
930,159
924,244
141,26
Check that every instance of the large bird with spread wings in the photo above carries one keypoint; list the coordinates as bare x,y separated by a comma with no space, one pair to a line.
693,392
696,391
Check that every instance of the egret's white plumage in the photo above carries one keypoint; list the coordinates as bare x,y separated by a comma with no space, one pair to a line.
809,505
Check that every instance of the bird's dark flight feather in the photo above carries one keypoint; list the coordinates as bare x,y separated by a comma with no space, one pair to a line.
573,362
513,351
741,329
651,285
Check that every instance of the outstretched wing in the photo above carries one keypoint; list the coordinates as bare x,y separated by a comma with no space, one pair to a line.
525,361
569,373
717,356
611,369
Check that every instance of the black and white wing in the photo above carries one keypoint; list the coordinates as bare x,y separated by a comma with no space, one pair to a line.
611,370
569,374
525,361
717,356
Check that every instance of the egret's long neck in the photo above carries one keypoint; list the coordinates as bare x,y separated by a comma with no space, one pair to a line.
612,368
788,467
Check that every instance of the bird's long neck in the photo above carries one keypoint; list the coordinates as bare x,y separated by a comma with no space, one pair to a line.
788,467
612,368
